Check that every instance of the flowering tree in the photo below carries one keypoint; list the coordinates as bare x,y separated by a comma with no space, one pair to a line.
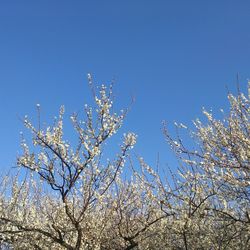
215,179
80,200
70,197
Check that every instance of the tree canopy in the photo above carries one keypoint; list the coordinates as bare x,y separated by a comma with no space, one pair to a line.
69,196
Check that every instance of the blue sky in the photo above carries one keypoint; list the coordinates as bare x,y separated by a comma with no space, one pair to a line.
174,57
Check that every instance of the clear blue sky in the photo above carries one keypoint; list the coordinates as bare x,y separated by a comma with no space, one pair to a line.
173,56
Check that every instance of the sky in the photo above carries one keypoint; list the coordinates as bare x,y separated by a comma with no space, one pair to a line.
173,57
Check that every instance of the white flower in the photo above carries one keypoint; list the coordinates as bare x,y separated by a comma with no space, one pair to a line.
130,139
89,76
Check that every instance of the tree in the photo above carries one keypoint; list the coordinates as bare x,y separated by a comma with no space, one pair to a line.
80,200
216,178
68,196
